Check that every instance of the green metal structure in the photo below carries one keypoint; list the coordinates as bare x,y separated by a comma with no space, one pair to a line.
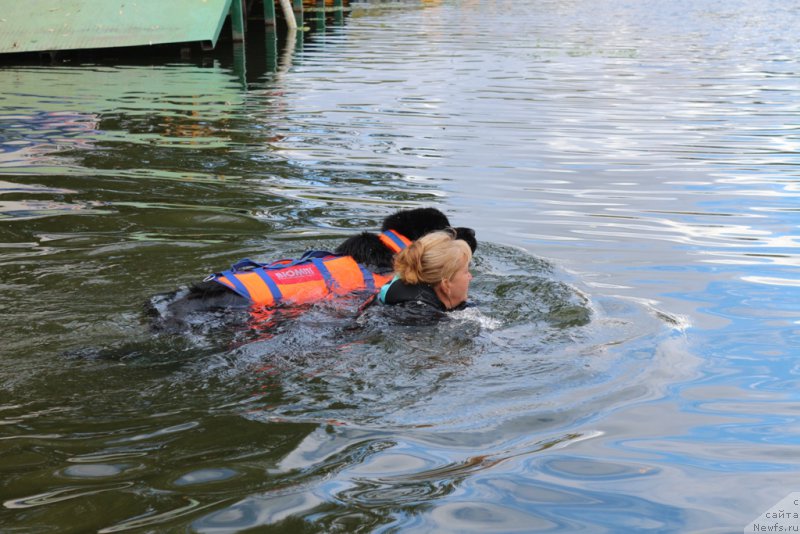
50,25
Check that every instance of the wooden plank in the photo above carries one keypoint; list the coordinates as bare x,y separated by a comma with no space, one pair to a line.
46,25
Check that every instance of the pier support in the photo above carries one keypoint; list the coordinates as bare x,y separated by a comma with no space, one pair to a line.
240,63
298,12
237,21
320,16
338,12
288,51
269,12
288,14
271,42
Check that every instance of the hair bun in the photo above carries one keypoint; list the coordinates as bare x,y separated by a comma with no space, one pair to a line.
432,258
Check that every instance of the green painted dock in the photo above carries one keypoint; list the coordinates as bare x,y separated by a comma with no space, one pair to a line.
52,25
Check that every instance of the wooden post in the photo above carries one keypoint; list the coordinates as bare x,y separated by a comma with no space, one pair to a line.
338,14
288,52
240,62
272,49
288,14
321,16
269,12
237,21
298,12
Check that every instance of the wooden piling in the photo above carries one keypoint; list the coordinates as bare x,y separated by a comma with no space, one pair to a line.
292,37
237,21
269,12
338,12
288,14
271,42
321,15
298,12
240,62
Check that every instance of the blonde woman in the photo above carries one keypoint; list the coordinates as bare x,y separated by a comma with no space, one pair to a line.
434,270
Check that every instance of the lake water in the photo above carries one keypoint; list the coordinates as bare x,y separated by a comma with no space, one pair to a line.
631,170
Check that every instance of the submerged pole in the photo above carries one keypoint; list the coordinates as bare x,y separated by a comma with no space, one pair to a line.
269,12
288,51
338,12
240,63
271,39
321,15
298,11
288,14
237,21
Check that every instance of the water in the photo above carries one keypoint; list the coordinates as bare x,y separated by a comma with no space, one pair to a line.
630,168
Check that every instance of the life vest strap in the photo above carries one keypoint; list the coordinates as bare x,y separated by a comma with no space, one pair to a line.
229,278
394,241
307,256
273,287
369,281
245,265
323,270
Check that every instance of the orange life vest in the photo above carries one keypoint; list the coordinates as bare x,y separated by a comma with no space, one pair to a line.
315,276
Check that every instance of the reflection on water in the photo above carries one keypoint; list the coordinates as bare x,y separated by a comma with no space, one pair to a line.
628,365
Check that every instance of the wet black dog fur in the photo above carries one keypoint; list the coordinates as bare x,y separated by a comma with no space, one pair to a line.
366,248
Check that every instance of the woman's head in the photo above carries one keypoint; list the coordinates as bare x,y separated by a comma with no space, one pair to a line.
441,261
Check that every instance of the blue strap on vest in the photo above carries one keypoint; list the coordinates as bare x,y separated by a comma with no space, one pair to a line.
245,265
273,287
369,281
396,240
326,274
237,285
248,265
308,256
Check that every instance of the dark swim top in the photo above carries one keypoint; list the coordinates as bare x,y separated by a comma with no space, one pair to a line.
398,292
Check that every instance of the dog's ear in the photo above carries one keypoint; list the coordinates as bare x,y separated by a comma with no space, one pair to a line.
416,223
468,235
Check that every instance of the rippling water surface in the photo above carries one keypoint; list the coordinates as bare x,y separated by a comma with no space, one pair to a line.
631,169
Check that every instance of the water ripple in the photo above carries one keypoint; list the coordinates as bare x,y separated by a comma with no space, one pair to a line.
62,494
630,168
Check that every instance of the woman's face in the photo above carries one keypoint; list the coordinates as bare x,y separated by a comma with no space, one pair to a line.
458,287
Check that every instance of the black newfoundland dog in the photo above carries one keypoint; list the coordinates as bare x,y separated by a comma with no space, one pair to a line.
363,262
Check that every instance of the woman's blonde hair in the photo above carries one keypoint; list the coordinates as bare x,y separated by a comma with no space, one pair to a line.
432,258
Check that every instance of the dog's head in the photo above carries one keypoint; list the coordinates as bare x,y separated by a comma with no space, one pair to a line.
417,222
468,235
367,249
